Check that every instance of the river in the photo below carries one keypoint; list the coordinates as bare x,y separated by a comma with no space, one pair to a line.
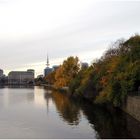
36,112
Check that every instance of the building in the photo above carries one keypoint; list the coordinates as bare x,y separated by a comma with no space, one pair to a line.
55,67
47,70
1,73
21,77
40,76
3,78
31,70
84,65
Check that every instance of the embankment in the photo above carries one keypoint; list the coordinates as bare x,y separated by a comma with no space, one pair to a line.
132,106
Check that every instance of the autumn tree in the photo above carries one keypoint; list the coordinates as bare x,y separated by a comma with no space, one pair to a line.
50,78
114,76
67,71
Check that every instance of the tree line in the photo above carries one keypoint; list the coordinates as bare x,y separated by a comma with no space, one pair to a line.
108,79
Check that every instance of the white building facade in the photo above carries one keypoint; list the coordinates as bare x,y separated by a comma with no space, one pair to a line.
21,77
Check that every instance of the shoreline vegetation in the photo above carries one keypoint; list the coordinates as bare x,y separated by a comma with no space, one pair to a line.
109,79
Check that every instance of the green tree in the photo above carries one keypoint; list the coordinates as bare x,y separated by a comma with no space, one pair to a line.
112,77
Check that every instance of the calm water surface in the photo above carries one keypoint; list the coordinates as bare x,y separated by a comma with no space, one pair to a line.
40,113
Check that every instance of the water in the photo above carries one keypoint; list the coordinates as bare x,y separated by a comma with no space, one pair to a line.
40,113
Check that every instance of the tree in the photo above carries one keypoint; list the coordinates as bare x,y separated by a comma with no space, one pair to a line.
67,71
50,78
113,76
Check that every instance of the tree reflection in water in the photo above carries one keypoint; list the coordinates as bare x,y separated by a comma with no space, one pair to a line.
66,108
108,123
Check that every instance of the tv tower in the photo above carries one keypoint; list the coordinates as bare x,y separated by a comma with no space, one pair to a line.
47,64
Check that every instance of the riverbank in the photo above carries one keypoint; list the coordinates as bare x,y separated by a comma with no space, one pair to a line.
109,80
131,106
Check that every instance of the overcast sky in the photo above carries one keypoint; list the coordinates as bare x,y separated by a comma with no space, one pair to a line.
29,29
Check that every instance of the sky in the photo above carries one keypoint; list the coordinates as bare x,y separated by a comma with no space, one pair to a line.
31,29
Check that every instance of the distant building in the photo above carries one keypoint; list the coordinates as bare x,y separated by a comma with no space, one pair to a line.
84,65
55,67
40,76
3,78
47,70
1,73
31,70
21,77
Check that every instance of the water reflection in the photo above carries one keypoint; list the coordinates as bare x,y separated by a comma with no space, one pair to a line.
69,111
8,95
20,86
109,123
42,113
39,100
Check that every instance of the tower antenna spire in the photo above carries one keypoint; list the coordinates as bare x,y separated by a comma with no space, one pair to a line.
47,61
